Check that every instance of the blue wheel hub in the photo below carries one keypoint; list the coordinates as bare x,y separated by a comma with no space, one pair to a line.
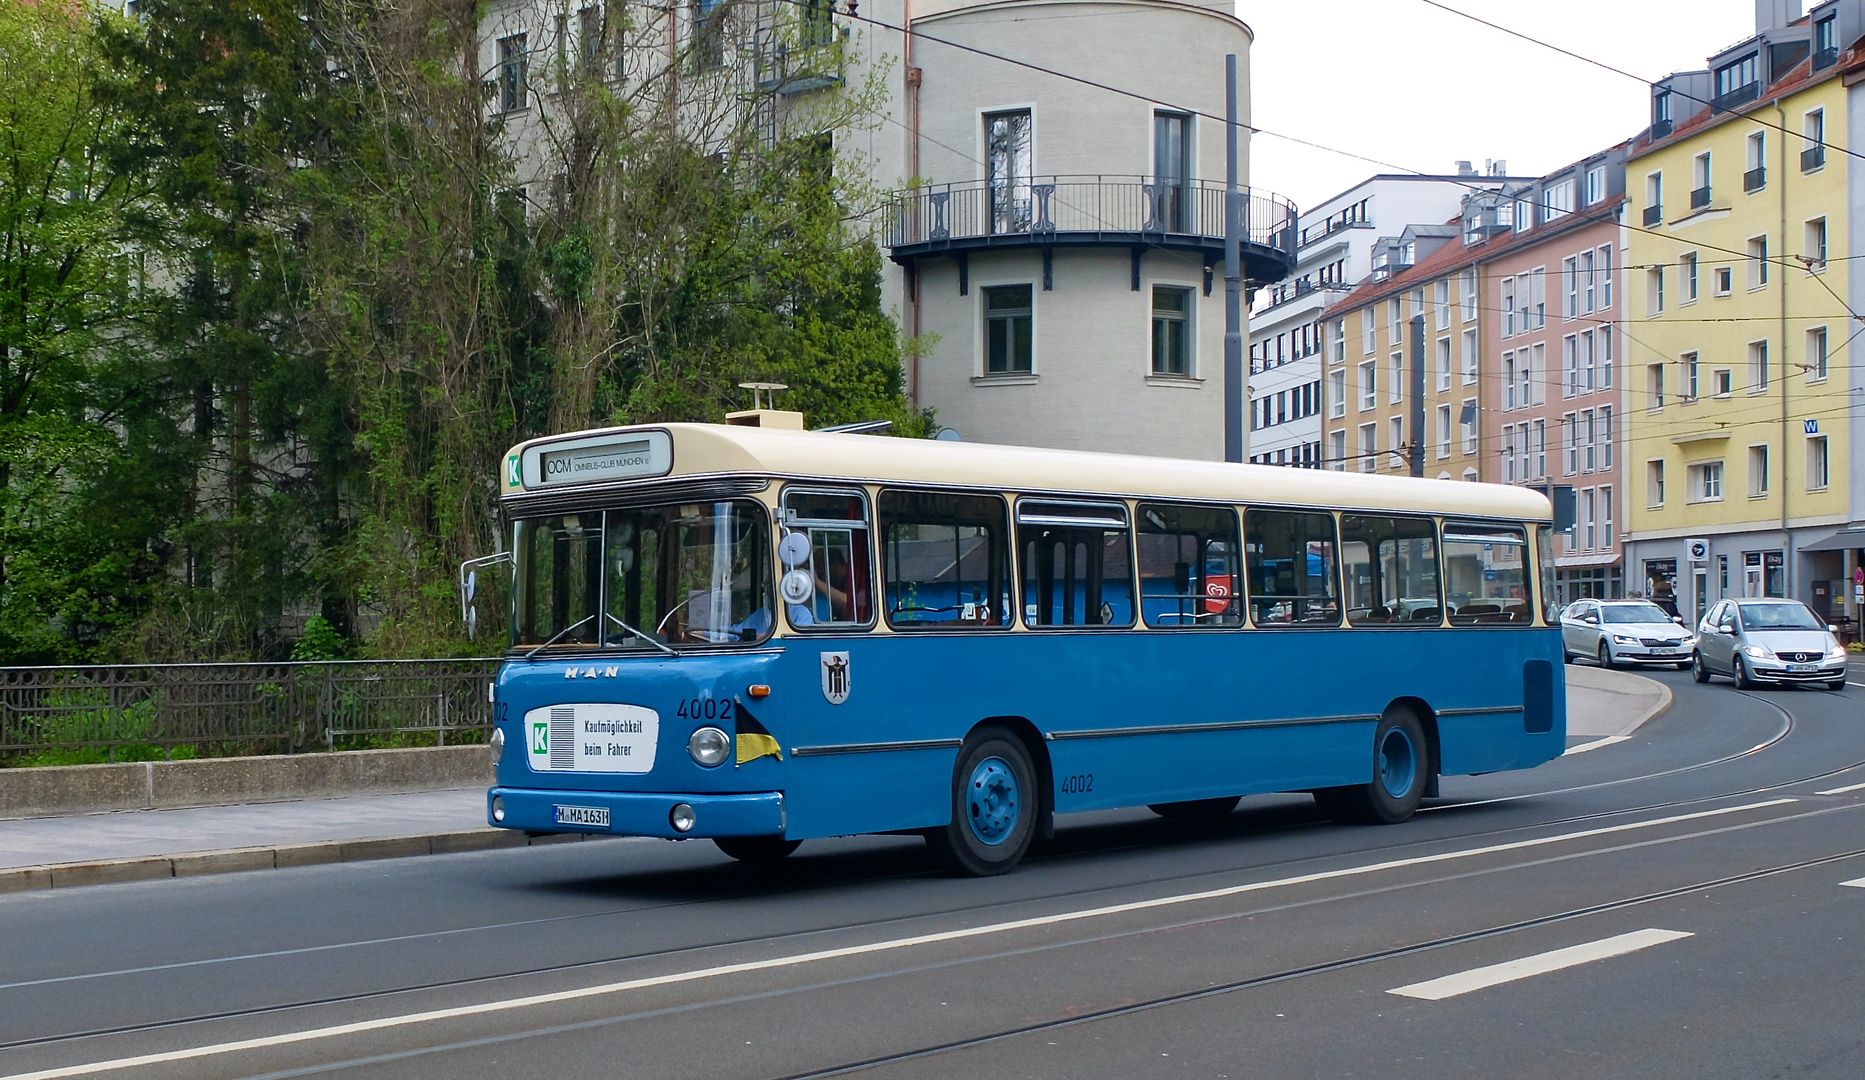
1398,763
993,801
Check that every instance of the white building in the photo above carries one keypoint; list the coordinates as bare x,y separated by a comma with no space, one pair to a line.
1336,251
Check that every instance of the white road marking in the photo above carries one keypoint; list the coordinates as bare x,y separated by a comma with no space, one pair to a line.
797,959
1595,744
1483,978
1855,883
1842,790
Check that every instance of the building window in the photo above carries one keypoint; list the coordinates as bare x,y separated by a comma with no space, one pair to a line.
1589,442
1369,389
1757,367
1395,383
1687,268
1758,471
1368,452
1009,329
1443,305
1654,291
1589,539
1570,366
1725,280
1009,155
1508,382
1654,483
1702,174
1508,453
1689,390
1589,275
1596,185
1171,169
1337,394
1723,382
1654,387
1171,334
1826,42
1654,196
1508,307
1569,443
1813,131
708,34
1815,244
1757,262
1444,364
1469,357
1469,421
1816,354
1540,449
514,73
1444,431
1339,355
1367,322
1588,363
1739,79
1603,433
1605,357
1337,449
1756,177
1570,287
1395,440
1467,286
1557,200
1605,517
1706,482
1817,475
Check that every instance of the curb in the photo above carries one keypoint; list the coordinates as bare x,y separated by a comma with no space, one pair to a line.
1594,676
235,860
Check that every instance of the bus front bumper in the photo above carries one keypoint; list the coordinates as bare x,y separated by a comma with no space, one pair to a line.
634,813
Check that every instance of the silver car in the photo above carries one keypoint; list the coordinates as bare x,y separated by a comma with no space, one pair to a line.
1615,632
1756,641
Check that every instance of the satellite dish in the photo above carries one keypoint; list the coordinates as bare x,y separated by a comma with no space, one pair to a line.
797,587
793,549
947,434
472,622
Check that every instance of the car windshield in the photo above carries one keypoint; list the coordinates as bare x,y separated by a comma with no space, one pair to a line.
1633,613
1779,617
693,574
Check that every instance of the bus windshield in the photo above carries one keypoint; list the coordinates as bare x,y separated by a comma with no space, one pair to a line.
644,579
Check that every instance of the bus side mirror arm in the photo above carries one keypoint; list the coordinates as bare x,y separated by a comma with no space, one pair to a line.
469,586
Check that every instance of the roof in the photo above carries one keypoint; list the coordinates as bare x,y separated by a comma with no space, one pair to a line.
719,451
1798,78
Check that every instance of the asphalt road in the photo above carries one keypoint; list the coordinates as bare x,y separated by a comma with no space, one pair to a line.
1675,905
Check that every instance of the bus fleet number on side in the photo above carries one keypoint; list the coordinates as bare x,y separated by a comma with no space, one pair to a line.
1076,785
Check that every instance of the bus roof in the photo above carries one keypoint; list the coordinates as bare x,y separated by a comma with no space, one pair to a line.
712,450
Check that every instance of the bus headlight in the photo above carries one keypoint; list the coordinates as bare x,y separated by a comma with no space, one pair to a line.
681,818
709,746
498,808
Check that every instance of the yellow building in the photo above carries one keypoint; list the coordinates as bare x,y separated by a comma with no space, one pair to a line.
1738,394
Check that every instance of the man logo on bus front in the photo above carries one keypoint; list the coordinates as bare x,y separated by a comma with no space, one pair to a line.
835,677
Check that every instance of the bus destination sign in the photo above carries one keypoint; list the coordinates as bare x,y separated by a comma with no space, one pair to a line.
593,460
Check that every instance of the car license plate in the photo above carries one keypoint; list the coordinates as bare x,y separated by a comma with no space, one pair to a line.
588,816
1803,667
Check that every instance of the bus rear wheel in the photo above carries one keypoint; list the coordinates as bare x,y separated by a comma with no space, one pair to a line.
1197,811
756,849
1401,772
994,807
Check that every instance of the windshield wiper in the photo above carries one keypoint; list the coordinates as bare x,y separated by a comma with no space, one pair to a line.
552,640
658,645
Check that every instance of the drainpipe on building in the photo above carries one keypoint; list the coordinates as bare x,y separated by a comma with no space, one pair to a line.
1787,542
914,78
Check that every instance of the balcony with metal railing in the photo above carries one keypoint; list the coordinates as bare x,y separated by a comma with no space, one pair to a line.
1813,157
1654,215
1700,198
1736,98
1755,179
1108,211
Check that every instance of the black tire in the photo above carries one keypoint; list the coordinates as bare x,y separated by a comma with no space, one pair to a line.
1683,666
1836,684
1197,811
992,825
1566,657
1374,803
1605,655
756,849
1698,671
1743,680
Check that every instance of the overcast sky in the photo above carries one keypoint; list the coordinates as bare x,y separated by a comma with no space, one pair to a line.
1406,83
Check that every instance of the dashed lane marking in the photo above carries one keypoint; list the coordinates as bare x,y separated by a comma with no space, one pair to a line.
1841,790
1609,740
797,959
1483,978
1855,883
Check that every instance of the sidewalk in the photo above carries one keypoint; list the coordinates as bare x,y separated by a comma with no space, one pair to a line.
94,849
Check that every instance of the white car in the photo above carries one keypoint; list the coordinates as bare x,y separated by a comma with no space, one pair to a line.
1614,632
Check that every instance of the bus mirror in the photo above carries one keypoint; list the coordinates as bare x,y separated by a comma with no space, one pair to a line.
472,584
472,622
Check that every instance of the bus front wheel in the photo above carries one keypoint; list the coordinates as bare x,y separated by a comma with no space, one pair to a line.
1401,772
994,809
756,849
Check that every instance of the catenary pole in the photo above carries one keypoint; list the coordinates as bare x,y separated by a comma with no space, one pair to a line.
1233,280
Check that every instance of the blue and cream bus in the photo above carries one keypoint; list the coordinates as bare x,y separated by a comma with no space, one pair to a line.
762,636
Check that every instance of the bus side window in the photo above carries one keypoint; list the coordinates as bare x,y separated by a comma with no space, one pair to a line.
1291,560
1077,564
1391,568
832,585
1188,565
1486,572
945,560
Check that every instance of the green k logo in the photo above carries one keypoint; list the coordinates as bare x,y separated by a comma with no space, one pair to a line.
514,473
540,738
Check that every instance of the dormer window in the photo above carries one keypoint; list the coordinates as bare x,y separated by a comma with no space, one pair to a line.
1661,114
1826,42
1739,82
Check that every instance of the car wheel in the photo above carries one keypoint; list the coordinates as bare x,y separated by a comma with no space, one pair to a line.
1566,657
1605,655
756,849
1197,811
1401,772
994,796
1698,671
1743,680
1836,684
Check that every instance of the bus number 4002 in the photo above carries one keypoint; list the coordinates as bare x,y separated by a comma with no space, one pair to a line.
1076,785
705,709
